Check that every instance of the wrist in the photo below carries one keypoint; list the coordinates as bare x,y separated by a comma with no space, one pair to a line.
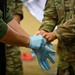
28,42
54,35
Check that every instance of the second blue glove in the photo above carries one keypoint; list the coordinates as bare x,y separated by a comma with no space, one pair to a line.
43,55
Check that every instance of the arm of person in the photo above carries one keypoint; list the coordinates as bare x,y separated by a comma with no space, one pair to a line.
15,26
64,33
49,21
14,38
9,36
11,21
50,17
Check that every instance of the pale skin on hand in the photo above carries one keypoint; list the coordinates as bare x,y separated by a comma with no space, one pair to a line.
49,36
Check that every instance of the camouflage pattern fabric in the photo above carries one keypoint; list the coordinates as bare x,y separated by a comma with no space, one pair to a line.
67,71
13,61
61,13
15,7
13,54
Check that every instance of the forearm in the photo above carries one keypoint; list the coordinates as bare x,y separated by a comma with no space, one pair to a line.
18,39
17,18
15,26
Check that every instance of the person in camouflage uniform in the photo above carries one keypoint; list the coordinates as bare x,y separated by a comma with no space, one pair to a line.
11,33
61,13
13,54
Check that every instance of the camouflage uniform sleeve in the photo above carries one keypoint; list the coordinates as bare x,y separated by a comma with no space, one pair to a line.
66,32
50,16
15,7
9,17
3,26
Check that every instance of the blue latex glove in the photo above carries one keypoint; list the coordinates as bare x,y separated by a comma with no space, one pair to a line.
49,45
37,42
32,53
43,55
52,53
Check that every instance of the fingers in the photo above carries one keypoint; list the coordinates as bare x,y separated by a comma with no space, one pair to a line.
52,54
41,32
40,62
49,36
41,65
47,64
49,50
44,65
45,35
51,59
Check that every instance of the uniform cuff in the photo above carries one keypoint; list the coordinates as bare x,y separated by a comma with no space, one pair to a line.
9,17
3,28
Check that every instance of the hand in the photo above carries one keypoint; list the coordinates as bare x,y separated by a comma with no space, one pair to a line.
49,36
43,55
37,42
